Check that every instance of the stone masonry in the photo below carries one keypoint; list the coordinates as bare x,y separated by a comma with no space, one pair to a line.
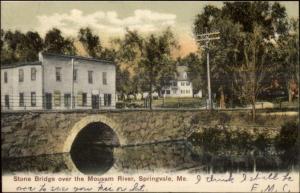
41,133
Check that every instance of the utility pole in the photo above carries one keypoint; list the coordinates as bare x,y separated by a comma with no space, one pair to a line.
72,91
206,38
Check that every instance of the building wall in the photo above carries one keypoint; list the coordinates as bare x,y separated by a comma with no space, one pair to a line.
185,89
182,89
13,87
81,85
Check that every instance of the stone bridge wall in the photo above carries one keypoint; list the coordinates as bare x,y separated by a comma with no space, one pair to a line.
39,133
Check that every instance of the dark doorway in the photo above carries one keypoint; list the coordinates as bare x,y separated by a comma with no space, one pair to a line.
95,101
92,149
48,101
107,99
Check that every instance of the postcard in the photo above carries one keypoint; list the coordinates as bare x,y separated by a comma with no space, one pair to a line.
141,96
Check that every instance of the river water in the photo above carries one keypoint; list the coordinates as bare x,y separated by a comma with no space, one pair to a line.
167,157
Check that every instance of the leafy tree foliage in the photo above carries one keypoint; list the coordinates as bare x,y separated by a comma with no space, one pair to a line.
17,46
157,58
90,41
56,43
240,61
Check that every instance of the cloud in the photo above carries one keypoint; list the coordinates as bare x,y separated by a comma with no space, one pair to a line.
109,22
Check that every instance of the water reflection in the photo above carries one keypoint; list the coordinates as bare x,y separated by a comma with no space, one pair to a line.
45,163
92,149
167,157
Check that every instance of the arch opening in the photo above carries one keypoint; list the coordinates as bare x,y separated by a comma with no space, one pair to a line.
92,148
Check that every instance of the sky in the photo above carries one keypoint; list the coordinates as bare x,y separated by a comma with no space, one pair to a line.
109,19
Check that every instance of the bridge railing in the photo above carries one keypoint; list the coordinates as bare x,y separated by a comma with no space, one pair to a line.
64,103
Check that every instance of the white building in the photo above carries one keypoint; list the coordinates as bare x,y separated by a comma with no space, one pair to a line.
58,81
179,86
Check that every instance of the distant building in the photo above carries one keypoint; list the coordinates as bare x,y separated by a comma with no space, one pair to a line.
58,82
179,85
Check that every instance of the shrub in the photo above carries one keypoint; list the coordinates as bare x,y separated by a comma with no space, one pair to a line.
288,142
120,105
288,136
195,119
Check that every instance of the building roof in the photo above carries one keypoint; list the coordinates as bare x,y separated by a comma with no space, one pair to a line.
181,70
78,58
19,64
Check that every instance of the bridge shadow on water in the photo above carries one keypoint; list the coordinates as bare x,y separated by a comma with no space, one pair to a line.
91,158
92,149
96,150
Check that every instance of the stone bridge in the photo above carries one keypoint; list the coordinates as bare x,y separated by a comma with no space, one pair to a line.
38,133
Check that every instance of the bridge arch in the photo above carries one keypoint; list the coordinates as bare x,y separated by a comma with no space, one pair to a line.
78,126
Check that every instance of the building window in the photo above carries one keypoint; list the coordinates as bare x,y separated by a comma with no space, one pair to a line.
6,99
75,75
67,100
21,75
187,91
107,99
33,73
182,83
33,99
58,73
90,77
21,99
182,91
104,78
174,91
84,99
174,83
188,83
57,97
167,91
5,77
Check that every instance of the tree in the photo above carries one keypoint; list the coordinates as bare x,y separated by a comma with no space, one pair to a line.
131,49
17,46
56,43
247,30
29,47
90,41
157,59
288,62
251,72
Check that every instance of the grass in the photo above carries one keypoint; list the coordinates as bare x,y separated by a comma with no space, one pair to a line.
179,102
188,102
170,103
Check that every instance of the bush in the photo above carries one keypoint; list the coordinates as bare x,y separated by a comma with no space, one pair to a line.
288,142
195,119
288,136
120,105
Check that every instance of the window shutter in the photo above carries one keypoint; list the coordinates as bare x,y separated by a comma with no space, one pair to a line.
57,98
79,98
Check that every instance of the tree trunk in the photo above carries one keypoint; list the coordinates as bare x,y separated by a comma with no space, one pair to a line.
150,94
292,89
222,99
253,108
